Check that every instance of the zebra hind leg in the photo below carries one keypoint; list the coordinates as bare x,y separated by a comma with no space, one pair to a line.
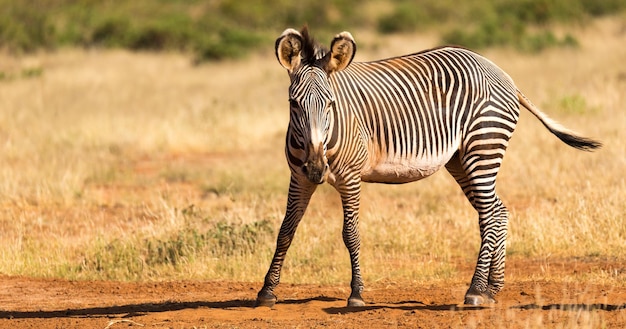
491,258
488,277
496,271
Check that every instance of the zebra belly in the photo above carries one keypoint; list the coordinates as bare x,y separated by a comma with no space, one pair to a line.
398,171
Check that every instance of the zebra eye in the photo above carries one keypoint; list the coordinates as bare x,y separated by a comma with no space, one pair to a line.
293,103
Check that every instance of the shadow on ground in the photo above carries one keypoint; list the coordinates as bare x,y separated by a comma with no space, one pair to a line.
133,310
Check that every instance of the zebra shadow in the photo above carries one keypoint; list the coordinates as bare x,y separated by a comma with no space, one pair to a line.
405,306
572,307
418,306
130,310
311,299
133,310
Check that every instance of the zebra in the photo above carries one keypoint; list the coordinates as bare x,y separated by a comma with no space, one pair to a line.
399,120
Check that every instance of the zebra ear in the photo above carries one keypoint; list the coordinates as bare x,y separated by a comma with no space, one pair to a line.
342,50
288,49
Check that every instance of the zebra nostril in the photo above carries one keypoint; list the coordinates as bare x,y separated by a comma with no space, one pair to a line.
305,169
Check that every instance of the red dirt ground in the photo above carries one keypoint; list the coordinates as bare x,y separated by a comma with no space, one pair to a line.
51,303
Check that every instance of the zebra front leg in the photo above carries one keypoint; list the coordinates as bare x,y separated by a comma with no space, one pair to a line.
350,197
300,191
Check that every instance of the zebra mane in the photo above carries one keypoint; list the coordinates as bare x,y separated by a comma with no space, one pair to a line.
311,50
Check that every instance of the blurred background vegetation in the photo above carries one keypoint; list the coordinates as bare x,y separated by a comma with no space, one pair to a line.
219,29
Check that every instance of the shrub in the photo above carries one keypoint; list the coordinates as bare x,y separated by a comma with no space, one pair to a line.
227,42
231,28
24,28
111,31
124,259
405,17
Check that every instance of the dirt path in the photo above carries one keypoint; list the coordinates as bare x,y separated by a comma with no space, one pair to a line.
524,303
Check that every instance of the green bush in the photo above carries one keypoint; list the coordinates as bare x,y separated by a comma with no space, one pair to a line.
227,43
604,7
507,23
232,28
24,28
111,32
171,32
403,18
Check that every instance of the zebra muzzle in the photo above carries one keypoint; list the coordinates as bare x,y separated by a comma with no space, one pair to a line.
316,170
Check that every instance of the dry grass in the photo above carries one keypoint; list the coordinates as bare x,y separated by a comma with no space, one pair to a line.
107,153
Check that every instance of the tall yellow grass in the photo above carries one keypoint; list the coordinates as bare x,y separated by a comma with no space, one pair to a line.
106,151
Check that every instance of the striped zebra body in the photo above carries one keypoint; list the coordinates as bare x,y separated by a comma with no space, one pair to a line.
413,110
399,120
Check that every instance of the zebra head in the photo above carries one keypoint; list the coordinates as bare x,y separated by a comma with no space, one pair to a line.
311,96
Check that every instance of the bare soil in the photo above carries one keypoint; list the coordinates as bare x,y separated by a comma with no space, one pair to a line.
524,303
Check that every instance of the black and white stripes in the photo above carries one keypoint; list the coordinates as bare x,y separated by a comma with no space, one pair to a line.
395,121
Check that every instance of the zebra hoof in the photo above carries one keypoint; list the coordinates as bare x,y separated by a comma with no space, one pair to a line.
265,298
477,298
355,302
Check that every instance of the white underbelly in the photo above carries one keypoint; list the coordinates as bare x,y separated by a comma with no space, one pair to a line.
397,171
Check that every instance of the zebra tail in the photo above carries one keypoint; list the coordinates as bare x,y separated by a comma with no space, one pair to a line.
567,136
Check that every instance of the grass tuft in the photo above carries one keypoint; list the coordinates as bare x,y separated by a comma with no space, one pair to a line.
138,258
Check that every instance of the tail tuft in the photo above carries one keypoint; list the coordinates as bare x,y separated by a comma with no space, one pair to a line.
567,136
578,142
